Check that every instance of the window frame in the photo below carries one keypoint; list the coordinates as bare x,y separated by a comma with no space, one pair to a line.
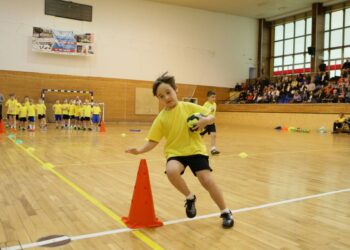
288,69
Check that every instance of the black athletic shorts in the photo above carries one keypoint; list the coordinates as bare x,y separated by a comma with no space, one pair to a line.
209,129
195,162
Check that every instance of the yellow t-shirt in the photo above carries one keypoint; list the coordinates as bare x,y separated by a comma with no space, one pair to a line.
65,108
27,103
87,110
57,109
77,111
71,109
211,107
23,111
341,120
41,108
11,106
82,111
172,124
31,110
18,106
96,110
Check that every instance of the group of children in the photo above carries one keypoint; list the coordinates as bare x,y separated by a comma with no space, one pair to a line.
25,113
77,115
73,114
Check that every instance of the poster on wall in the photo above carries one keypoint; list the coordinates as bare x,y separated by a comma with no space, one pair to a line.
62,42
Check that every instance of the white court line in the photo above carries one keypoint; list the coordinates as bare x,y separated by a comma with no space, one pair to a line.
124,230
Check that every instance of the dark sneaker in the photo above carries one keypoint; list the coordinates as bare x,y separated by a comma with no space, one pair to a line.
215,152
191,208
227,220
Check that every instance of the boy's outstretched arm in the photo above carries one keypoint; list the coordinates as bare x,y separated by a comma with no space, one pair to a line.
149,145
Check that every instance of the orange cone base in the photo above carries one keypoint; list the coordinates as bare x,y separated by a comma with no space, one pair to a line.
141,224
2,127
102,128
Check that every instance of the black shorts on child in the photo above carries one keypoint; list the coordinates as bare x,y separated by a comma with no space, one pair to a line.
195,162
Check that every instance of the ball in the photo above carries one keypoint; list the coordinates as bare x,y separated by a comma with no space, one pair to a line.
192,121
123,135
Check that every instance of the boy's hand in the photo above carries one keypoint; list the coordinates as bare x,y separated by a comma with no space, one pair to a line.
133,151
202,122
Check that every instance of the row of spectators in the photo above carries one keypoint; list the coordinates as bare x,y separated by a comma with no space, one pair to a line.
316,88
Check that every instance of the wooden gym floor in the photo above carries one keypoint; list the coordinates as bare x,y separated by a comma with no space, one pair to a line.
292,191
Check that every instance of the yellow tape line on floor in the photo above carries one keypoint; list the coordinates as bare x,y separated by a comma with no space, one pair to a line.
106,210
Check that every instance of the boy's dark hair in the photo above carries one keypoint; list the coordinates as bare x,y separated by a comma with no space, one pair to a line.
210,93
164,78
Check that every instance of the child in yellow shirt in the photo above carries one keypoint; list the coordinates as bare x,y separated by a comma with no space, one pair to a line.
211,128
96,112
57,109
22,115
87,115
182,147
71,113
31,115
41,112
65,113
12,108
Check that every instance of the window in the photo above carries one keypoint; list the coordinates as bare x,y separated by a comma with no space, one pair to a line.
291,41
336,40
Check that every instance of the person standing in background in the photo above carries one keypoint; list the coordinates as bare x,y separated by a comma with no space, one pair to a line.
211,128
2,99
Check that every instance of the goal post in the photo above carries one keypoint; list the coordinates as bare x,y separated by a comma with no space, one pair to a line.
44,93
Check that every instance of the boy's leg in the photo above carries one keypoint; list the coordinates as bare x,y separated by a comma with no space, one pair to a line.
213,140
212,132
173,171
207,181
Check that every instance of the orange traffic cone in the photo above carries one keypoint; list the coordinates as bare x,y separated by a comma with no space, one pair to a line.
102,128
141,212
2,127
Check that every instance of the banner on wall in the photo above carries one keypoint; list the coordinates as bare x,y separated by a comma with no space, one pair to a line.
62,42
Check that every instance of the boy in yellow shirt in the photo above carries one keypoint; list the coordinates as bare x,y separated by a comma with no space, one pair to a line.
57,109
65,113
87,115
11,105
2,99
183,148
77,115
71,113
41,112
22,115
31,115
96,112
339,123
211,129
